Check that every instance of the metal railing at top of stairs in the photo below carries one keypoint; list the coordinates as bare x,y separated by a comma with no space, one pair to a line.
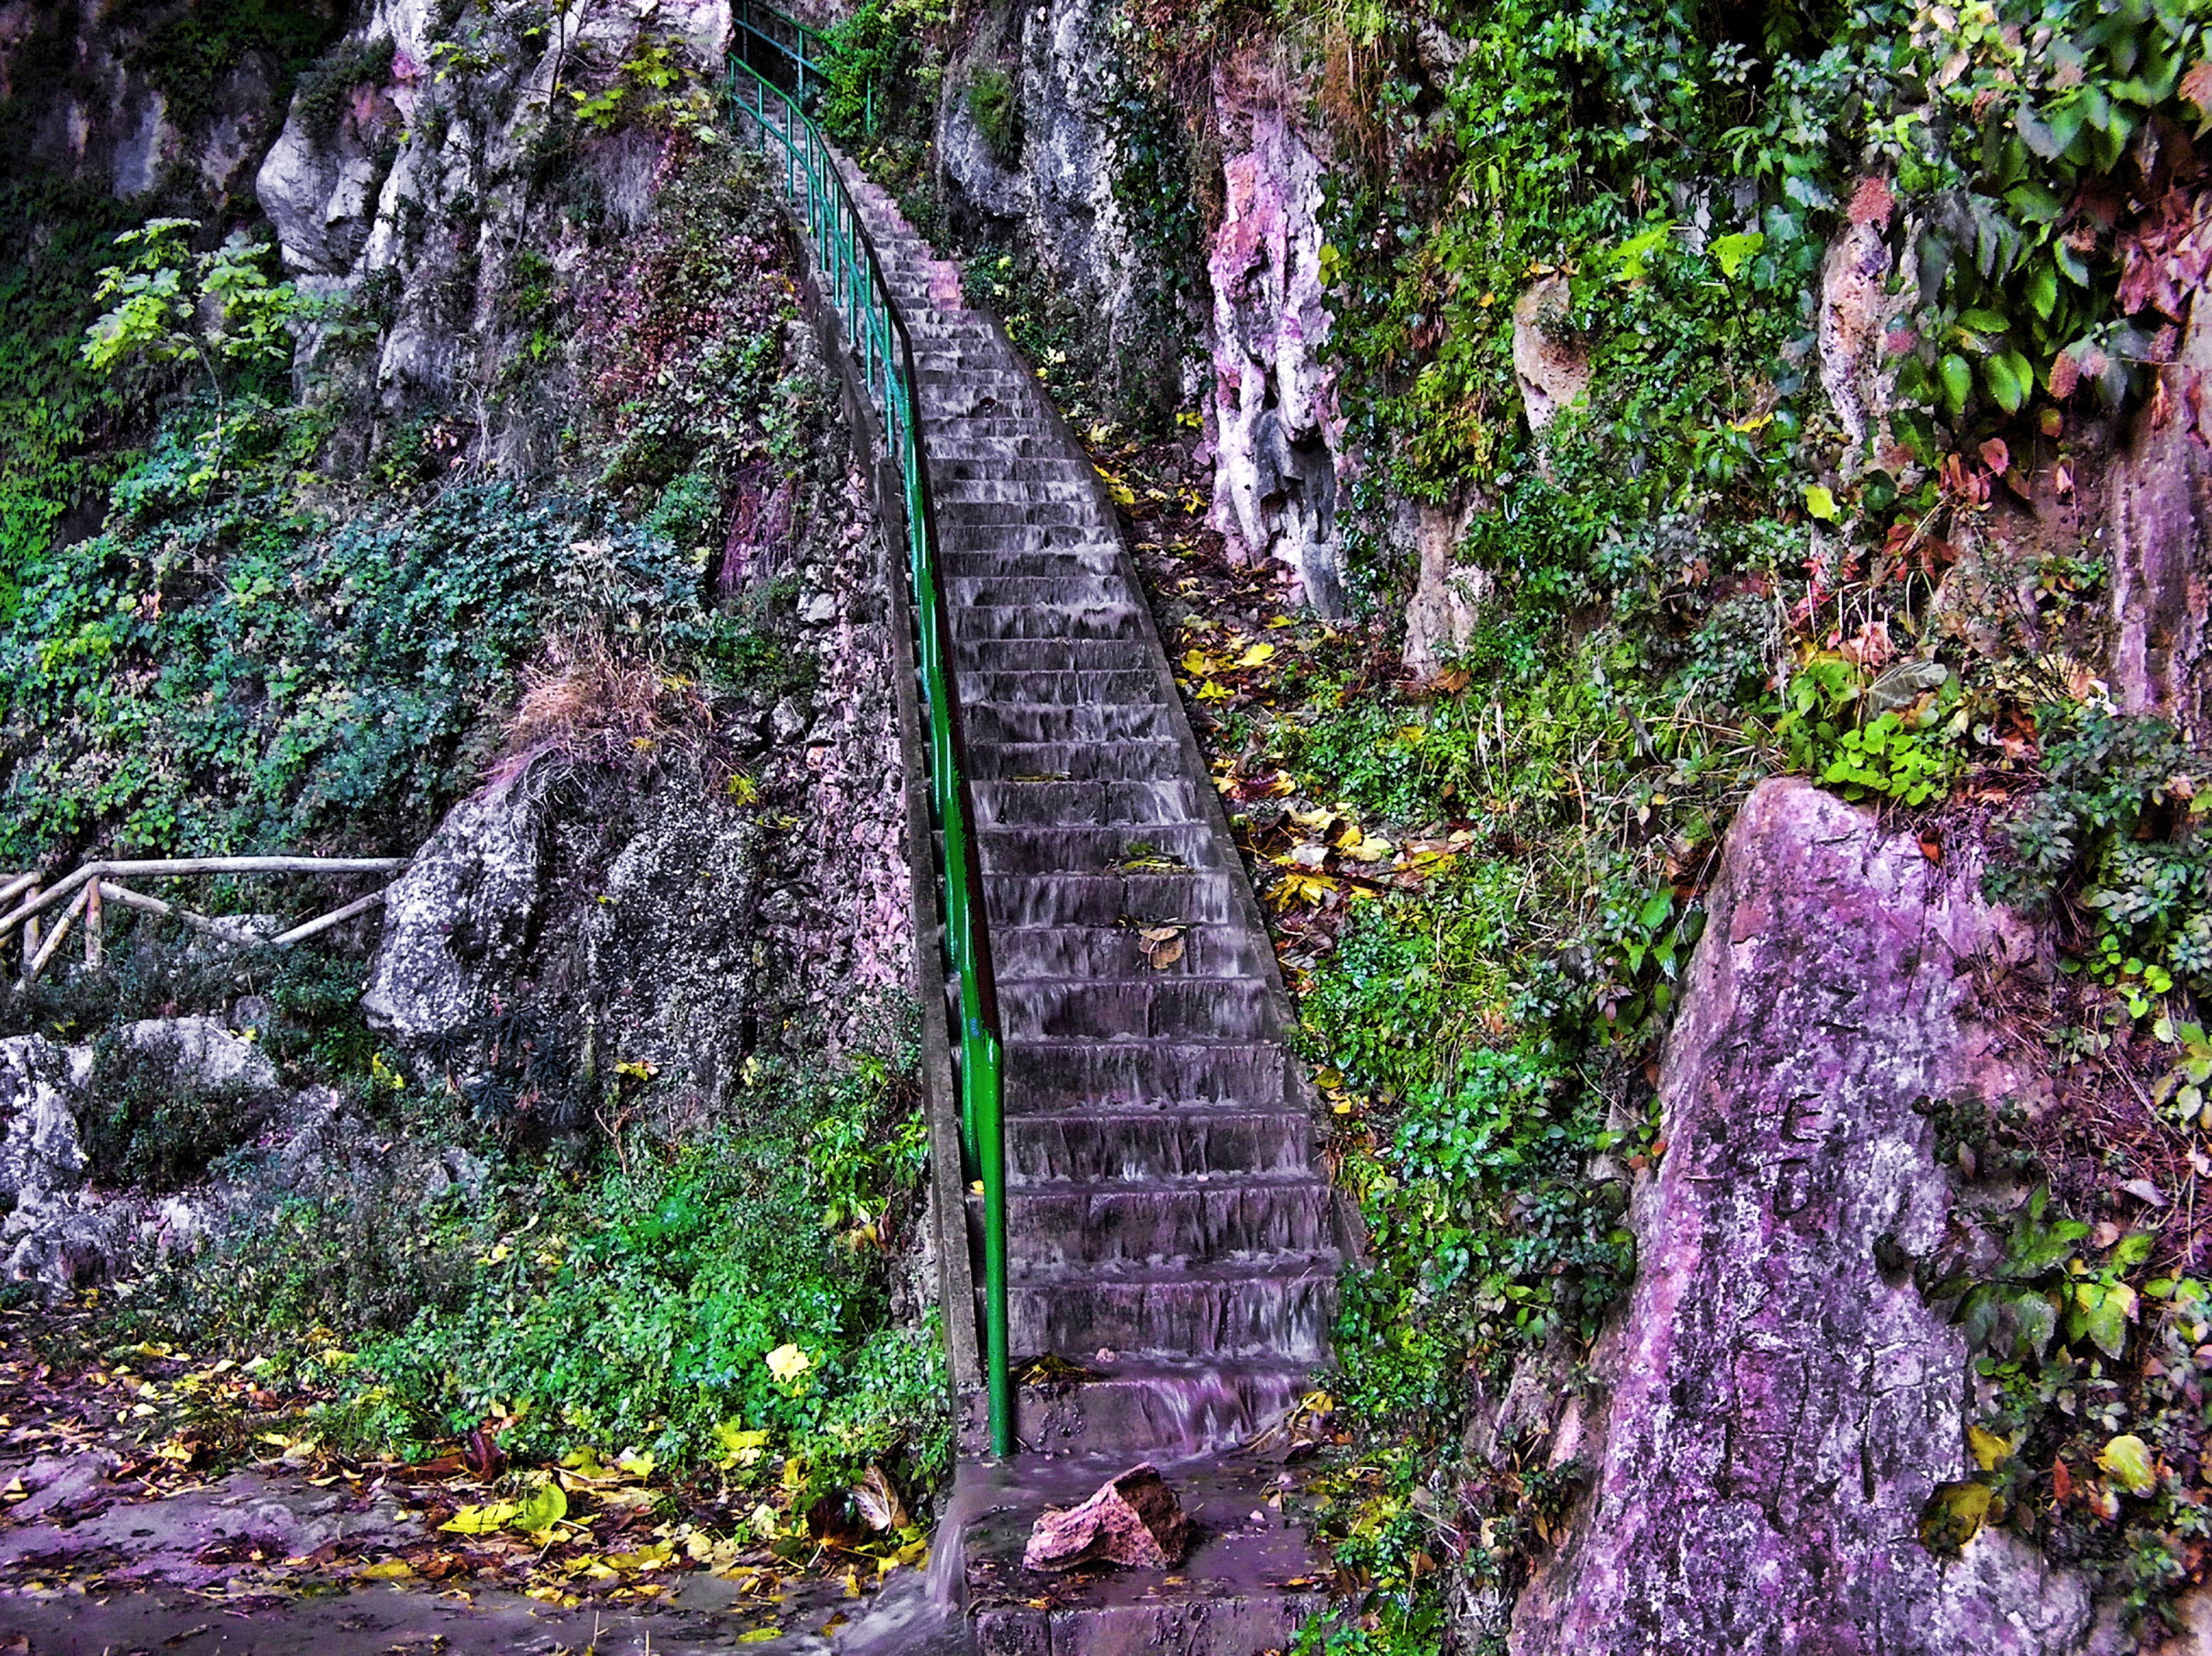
801,48
853,280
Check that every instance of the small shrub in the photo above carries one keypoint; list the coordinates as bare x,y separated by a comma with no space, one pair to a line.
151,1125
994,105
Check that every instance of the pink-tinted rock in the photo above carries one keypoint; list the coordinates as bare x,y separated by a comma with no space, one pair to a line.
1133,1520
1774,1406
2161,548
1274,423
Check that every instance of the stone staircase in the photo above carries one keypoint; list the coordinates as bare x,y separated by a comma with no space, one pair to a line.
1170,1234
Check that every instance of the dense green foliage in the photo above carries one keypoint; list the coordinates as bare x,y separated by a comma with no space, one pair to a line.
1709,568
246,673
623,1305
301,618
58,420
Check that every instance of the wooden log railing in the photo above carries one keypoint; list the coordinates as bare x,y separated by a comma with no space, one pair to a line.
84,894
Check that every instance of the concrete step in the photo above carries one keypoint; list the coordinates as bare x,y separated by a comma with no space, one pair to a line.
1059,848
1014,491
1206,896
1097,563
1100,804
1117,1226
1231,1597
1032,721
949,471
1052,1077
1022,513
1111,954
1089,540
954,442
1105,619
1034,592
1147,760
1181,1143
1126,686
1156,1409
1052,654
1276,1305
1156,1008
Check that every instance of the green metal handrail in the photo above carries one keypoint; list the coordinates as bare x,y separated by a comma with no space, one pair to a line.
802,47
852,281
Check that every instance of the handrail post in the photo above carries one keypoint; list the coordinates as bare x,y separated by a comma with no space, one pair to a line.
877,335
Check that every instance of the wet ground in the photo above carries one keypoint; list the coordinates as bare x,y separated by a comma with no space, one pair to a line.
150,1503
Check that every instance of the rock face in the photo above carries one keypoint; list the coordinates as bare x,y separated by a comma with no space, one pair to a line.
85,85
1275,424
2160,504
1056,188
459,920
1775,1407
38,1151
58,1232
1273,434
430,172
655,925
1553,369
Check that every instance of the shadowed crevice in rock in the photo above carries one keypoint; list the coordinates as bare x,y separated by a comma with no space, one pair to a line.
1771,1411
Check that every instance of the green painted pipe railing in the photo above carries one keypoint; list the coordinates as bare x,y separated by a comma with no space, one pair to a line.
853,280
793,43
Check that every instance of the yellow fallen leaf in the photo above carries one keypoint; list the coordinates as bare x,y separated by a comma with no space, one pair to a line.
391,1569
1990,1450
483,1519
1258,655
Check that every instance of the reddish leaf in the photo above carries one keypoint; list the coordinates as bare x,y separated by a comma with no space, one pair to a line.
2196,87
2065,374
1872,202
2062,1480
1996,456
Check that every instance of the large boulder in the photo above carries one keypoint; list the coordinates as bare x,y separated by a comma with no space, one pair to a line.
40,1154
459,922
1777,1402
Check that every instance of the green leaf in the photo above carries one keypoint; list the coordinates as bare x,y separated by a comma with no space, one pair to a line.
1732,252
1958,381
2009,378
2127,1459
546,1507
2043,290
2131,1251
2035,1323
1821,502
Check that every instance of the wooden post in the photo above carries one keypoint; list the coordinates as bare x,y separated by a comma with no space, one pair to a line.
37,963
91,925
30,939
